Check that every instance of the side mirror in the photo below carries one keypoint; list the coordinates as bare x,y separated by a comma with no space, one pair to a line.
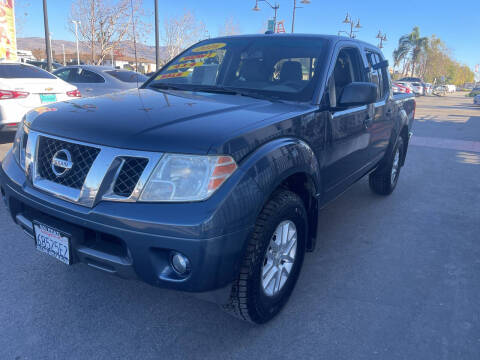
358,93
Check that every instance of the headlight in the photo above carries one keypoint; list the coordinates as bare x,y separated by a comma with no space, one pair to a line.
187,177
19,145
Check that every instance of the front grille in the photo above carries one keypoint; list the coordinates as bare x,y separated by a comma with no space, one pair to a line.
82,158
127,179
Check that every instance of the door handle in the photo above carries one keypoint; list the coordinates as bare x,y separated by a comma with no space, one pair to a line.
367,122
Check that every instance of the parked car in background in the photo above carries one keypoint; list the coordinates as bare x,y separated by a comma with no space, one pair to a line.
412,79
43,64
24,87
406,84
427,89
476,100
418,88
216,189
475,91
100,80
451,88
400,89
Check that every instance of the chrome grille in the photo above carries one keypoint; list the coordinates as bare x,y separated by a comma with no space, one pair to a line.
82,157
129,175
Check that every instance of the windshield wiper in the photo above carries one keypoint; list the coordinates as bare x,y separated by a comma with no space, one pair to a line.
217,90
253,94
169,87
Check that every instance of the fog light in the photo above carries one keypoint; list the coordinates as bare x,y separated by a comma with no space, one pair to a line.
180,263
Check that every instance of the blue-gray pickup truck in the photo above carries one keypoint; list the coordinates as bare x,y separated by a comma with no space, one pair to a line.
209,178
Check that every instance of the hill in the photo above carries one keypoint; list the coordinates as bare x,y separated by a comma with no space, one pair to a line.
125,48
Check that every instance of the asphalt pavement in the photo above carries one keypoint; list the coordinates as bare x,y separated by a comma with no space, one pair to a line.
391,278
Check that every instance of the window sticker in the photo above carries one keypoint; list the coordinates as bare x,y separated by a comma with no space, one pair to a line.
209,47
198,56
185,65
173,75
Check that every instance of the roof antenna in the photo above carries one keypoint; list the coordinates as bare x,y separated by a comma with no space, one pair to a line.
134,42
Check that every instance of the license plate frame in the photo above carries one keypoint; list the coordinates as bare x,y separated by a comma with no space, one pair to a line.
52,241
48,98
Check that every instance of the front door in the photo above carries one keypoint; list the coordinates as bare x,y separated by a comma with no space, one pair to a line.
347,136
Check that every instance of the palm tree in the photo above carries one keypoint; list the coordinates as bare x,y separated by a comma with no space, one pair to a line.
411,44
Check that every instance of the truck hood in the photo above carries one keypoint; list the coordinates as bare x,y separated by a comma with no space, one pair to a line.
153,120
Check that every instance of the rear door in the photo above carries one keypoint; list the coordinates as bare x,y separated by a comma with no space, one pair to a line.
381,127
347,136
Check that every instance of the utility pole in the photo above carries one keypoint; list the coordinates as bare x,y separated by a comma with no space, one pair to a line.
47,36
76,36
157,38
63,48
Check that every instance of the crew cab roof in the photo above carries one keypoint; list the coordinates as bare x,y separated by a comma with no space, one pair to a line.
333,39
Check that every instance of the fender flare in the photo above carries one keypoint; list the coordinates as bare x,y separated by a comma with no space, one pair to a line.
274,162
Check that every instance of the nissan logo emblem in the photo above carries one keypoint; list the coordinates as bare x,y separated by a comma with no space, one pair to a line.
61,162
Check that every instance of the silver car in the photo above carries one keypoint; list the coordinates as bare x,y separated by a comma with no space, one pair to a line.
99,80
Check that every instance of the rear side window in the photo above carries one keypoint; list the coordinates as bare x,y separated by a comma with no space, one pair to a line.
85,77
127,76
63,74
379,76
12,71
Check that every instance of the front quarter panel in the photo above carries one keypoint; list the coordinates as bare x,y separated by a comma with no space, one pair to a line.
275,161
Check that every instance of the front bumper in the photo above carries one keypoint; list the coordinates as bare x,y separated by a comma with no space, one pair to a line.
134,240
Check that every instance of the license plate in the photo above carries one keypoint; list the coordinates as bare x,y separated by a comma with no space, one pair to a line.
47,98
52,242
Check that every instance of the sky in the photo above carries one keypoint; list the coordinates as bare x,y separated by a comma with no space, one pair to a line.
455,22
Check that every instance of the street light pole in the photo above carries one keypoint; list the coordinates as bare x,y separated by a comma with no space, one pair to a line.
47,36
275,9
295,7
76,36
348,20
63,48
157,38
382,38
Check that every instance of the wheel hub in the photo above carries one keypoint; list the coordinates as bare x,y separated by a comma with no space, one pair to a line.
280,257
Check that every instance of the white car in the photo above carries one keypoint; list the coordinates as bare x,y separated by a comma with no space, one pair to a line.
24,87
418,88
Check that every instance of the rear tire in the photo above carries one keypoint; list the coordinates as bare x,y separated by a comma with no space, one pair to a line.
256,295
385,178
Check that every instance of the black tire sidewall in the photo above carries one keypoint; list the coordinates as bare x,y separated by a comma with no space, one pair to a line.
398,146
268,306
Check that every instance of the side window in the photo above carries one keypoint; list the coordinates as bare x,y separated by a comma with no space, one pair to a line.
86,76
348,69
379,76
63,74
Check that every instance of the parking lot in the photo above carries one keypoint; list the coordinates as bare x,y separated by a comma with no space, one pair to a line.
391,278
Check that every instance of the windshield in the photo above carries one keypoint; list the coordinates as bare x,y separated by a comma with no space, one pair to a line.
127,76
283,68
12,71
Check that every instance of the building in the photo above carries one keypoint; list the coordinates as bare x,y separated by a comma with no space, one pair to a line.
144,66
24,55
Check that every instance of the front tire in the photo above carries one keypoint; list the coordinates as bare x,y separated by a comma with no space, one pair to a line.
273,260
384,179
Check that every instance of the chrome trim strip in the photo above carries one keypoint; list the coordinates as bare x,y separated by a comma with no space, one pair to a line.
350,111
380,103
93,189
